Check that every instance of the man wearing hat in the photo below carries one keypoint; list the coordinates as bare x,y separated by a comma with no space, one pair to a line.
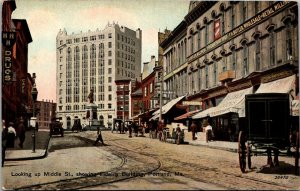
11,134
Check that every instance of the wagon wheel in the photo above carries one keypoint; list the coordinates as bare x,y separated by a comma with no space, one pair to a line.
297,155
249,155
242,151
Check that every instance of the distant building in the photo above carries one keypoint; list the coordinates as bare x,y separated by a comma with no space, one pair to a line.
94,60
46,113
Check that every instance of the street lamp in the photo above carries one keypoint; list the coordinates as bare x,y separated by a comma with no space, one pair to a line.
34,94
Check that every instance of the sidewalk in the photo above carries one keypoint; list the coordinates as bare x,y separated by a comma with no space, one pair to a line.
41,147
201,141
224,145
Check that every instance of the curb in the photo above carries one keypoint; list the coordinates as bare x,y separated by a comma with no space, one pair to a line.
215,147
32,158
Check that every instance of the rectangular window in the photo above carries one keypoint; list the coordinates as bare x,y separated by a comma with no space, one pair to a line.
109,70
272,48
232,17
109,106
109,97
206,34
109,79
257,55
109,61
92,38
109,44
109,35
145,91
256,7
192,44
109,53
244,12
245,55
288,41
233,60
206,76
109,88
217,29
199,38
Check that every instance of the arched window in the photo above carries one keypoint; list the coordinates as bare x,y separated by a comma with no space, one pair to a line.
215,65
206,76
272,41
257,54
245,60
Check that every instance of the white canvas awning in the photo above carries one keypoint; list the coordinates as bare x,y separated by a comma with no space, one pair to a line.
169,105
204,113
156,116
233,102
284,85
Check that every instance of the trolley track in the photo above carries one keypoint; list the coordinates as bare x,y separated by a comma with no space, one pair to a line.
129,166
224,179
139,157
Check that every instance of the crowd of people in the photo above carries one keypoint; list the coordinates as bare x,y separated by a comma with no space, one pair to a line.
156,129
11,131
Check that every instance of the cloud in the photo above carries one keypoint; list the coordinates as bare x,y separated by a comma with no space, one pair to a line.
150,48
98,17
43,23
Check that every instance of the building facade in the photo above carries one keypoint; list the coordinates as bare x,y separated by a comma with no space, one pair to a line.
47,110
94,60
223,47
16,82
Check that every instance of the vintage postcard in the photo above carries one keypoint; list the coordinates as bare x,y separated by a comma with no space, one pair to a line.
150,95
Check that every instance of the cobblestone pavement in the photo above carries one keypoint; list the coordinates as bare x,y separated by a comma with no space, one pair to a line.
143,163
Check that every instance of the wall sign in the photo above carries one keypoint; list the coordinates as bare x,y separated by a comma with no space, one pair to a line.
8,41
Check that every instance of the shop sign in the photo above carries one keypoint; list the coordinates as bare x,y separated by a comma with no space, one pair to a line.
192,103
252,22
8,40
23,85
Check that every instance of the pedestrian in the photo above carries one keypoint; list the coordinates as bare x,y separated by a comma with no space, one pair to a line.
160,129
208,132
130,127
4,140
99,137
194,129
178,133
136,129
11,134
21,132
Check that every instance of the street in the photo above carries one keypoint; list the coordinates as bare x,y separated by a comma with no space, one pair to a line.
142,163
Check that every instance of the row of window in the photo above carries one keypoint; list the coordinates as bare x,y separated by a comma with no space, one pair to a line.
124,39
77,107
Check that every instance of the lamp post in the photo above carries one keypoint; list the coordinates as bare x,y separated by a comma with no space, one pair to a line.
34,94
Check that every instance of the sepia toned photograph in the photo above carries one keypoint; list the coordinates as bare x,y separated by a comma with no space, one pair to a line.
149,95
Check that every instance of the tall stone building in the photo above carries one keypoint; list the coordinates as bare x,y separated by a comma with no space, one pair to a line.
225,49
94,60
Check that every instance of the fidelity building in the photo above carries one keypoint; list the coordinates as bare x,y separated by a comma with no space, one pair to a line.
94,60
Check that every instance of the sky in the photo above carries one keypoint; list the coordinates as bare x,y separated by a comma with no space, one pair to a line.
46,17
